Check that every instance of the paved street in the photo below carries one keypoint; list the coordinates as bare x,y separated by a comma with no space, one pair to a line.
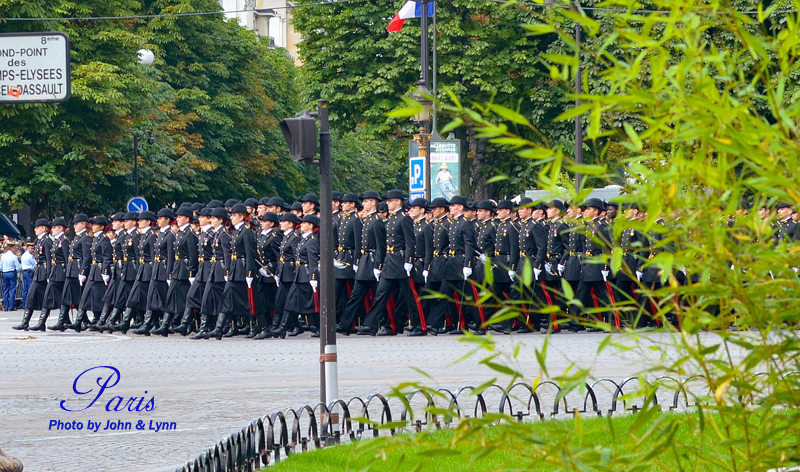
212,388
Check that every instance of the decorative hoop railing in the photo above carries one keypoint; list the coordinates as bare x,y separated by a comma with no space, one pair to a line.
274,437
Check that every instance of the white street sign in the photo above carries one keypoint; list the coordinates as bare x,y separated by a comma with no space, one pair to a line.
34,67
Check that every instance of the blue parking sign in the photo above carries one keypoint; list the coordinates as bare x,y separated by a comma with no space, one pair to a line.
416,174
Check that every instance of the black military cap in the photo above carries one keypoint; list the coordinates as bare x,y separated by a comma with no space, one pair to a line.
556,204
540,206
99,220
264,201
420,202
382,207
166,213
296,206
239,208
220,213
269,216
485,205
440,203
458,200
594,203
310,197
146,215
80,217
780,205
197,206
186,205
251,202
505,205
132,215
744,204
311,219
395,194
42,222
118,216
612,203
230,202
277,201
336,196
214,204
524,202
206,211
350,197
371,194
59,221
184,211
290,217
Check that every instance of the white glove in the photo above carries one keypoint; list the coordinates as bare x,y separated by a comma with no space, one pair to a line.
263,272
377,274
639,275
226,278
605,275
425,275
169,282
560,268
512,275
314,285
191,280
277,281
733,267
249,281
355,268
106,278
467,271
339,264
408,266
548,268
482,257
796,269
81,279
536,273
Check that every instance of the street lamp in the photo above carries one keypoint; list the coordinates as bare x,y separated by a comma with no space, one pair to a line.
136,139
422,118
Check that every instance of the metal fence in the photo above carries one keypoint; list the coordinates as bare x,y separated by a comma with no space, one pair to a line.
271,438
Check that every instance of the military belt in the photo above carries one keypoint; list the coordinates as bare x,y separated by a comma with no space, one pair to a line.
435,253
498,253
233,257
574,253
199,259
523,253
393,249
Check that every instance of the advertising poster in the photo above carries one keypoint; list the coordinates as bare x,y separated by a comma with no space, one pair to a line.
445,169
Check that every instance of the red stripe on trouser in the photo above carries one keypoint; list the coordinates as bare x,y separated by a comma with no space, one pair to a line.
422,323
594,298
250,297
675,298
549,302
349,289
316,302
613,303
655,310
460,311
390,309
480,307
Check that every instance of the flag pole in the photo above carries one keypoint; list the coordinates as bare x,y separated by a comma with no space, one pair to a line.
434,128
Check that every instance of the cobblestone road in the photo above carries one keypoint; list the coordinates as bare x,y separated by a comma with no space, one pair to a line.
212,388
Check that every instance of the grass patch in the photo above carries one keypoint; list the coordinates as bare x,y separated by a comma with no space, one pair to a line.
644,441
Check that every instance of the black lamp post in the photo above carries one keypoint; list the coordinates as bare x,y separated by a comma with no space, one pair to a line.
423,138
136,139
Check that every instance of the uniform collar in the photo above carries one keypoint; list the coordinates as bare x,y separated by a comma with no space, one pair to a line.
80,233
306,235
205,228
144,230
164,229
239,225
287,233
41,236
183,228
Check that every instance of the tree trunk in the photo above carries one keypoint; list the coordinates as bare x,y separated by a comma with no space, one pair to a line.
9,464
476,157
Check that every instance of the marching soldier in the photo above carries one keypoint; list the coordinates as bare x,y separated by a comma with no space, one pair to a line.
485,235
302,298
128,241
112,282
570,267
592,289
284,277
785,228
435,270
184,269
163,259
528,250
202,296
268,247
631,242
395,273
78,263
373,237
310,204
336,205
549,258
59,253
348,237
144,244
423,253
505,257
101,261
36,291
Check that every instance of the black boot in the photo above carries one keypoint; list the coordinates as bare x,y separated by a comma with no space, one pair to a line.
165,323
42,318
222,319
101,320
26,319
202,332
136,321
113,317
263,331
63,319
79,320
186,320
125,324
147,325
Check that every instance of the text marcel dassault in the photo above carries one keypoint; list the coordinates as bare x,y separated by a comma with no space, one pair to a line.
114,404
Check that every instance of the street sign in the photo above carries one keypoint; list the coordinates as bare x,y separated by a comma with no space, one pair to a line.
416,175
445,168
34,67
415,195
137,204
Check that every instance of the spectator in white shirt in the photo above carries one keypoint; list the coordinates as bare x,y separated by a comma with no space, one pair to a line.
10,266
28,268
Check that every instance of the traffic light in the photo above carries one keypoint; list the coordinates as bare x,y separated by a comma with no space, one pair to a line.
301,136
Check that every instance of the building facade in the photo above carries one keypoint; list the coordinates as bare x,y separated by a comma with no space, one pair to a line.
268,18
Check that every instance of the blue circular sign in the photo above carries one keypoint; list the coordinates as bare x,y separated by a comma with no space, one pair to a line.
137,204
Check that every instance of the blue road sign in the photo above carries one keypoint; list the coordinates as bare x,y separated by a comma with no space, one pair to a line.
137,204
416,174
415,195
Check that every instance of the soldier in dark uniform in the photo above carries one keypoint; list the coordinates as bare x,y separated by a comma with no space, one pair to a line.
302,298
505,258
423,253
268,248
127,266
184,269
460,254
570,267
78,264
278,206
310,204
36,291
785,229
284,278
112,281
373,237
485,234
435,270
528,250
631,242
263,206
101,260
59,253
592,289
348,240
548,259
205,262
336,206
163,259
395,273
237,304
215,251
144,248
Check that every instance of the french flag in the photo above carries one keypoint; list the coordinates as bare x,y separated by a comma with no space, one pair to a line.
411,9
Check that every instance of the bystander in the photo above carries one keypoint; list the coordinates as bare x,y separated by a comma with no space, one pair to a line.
28,268
10,266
